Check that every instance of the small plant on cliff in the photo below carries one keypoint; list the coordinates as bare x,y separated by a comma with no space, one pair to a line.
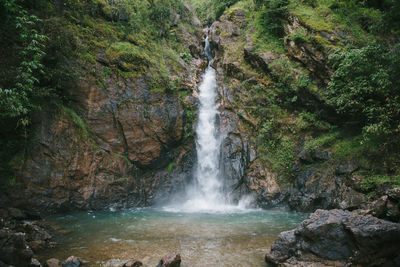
187,57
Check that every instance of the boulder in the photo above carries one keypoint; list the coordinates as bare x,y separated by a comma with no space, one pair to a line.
320,155
16,213
394,194
133,263
35,263
14,249
170,260
53,262
338,237
346,168
72,261
386,207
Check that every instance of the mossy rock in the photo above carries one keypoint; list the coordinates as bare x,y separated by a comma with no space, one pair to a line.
127,56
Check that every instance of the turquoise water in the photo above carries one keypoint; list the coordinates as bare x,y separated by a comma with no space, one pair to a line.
202,239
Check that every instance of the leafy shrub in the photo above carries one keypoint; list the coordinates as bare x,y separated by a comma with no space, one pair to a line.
187,57
222,5
371,183
366,87
323,140
17,97
277,148
272,15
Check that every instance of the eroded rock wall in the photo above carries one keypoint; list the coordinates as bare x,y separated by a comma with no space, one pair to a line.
120,144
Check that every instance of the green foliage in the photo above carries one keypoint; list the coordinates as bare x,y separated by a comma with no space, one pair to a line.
370,184
210,10
300,36
222,5
187,57
127,56
171,166
77,121
323,140
189,120
277,148
366,87
19,96
272,16
310,121
391,18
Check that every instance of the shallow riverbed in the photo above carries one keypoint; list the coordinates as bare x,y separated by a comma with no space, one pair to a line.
235,238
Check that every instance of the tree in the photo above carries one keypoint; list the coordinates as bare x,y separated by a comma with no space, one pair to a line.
366,86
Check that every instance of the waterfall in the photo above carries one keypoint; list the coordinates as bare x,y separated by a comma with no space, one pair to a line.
206,195
208,144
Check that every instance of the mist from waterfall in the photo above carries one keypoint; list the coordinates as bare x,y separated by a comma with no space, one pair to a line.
206,194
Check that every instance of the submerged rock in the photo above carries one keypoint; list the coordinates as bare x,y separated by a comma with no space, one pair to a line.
53,262
338,237
72,261
35,263
170,260
133,263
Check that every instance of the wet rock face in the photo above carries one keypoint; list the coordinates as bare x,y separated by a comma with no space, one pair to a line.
315,188
338,237
130,133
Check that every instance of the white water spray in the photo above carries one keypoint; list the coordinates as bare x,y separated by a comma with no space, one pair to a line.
206,194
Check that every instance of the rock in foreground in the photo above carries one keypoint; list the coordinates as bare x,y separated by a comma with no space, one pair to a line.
170,260
338,237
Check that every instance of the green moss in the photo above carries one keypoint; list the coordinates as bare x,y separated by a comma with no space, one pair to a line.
318,19
371,182
128,56
190,118
323,140
300,35
171,166
77,121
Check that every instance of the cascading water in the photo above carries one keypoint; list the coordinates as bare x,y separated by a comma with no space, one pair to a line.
206,192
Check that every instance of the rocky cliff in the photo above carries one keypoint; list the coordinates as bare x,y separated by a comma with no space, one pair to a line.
241,69
122,141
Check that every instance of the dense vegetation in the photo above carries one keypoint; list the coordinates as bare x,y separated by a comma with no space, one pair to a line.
50,45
